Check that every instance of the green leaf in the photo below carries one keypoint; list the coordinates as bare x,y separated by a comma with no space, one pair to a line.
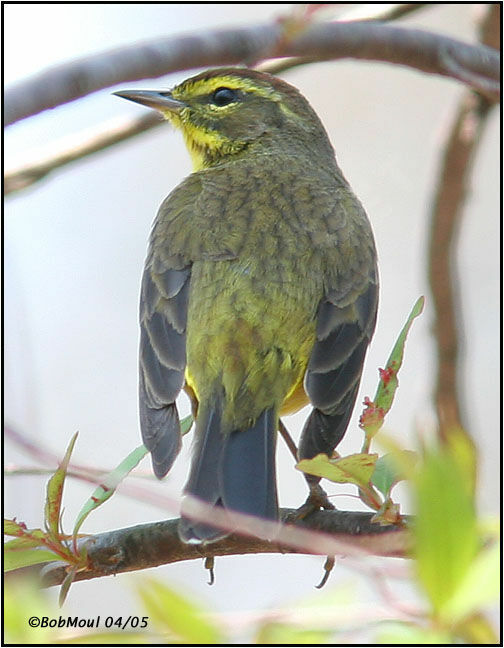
119,638
374,413
28,542
446,536
389,469
13,527
287,635
30,546
396,632
24,537
109,484
65,585
479,587
179,616
462,448
23,598
355,468
476,630
388,384
26,557
186,424
55,493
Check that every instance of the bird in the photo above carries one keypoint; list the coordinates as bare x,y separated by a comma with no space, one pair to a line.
259,293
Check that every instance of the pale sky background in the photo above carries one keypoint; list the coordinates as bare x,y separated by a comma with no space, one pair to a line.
75,246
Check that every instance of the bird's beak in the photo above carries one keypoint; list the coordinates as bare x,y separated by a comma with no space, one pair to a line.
162,101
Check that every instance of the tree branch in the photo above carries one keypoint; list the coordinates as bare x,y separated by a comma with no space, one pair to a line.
446,214
157,543
382,12
350,533
432,53
76,147
367,13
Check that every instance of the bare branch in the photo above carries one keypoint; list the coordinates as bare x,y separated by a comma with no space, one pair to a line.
445,218
357,40
382,12
41,454
157,543
77,147
375,13
22,471
288,439
45,456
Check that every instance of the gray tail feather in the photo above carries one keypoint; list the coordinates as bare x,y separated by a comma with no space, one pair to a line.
233,470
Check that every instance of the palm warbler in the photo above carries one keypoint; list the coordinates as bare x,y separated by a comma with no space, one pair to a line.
259,293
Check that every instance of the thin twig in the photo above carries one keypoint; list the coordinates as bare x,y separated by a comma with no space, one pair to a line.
382,12
23,471
43,455
35,450
357,40
445,218
77,147
90,475
288,440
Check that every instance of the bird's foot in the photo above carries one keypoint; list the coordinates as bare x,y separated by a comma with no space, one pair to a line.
316,500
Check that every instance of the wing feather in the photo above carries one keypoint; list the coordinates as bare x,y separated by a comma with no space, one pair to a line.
163,317
335,366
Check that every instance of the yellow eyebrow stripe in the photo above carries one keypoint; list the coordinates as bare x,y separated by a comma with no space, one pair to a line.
203,87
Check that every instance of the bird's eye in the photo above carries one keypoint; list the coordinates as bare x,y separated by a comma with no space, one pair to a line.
224,96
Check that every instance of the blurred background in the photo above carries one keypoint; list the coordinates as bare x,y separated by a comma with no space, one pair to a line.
75,244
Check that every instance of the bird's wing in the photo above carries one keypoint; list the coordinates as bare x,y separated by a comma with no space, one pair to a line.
164,302
345,323
163,315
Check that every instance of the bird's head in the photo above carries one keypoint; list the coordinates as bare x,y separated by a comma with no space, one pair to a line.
225,111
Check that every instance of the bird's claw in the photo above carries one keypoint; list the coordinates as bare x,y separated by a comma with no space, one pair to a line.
316,500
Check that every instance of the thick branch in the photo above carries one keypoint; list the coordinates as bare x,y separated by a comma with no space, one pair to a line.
157,543
150,545
477,65
445,217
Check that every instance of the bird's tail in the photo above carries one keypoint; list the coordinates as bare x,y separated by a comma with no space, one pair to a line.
234,470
